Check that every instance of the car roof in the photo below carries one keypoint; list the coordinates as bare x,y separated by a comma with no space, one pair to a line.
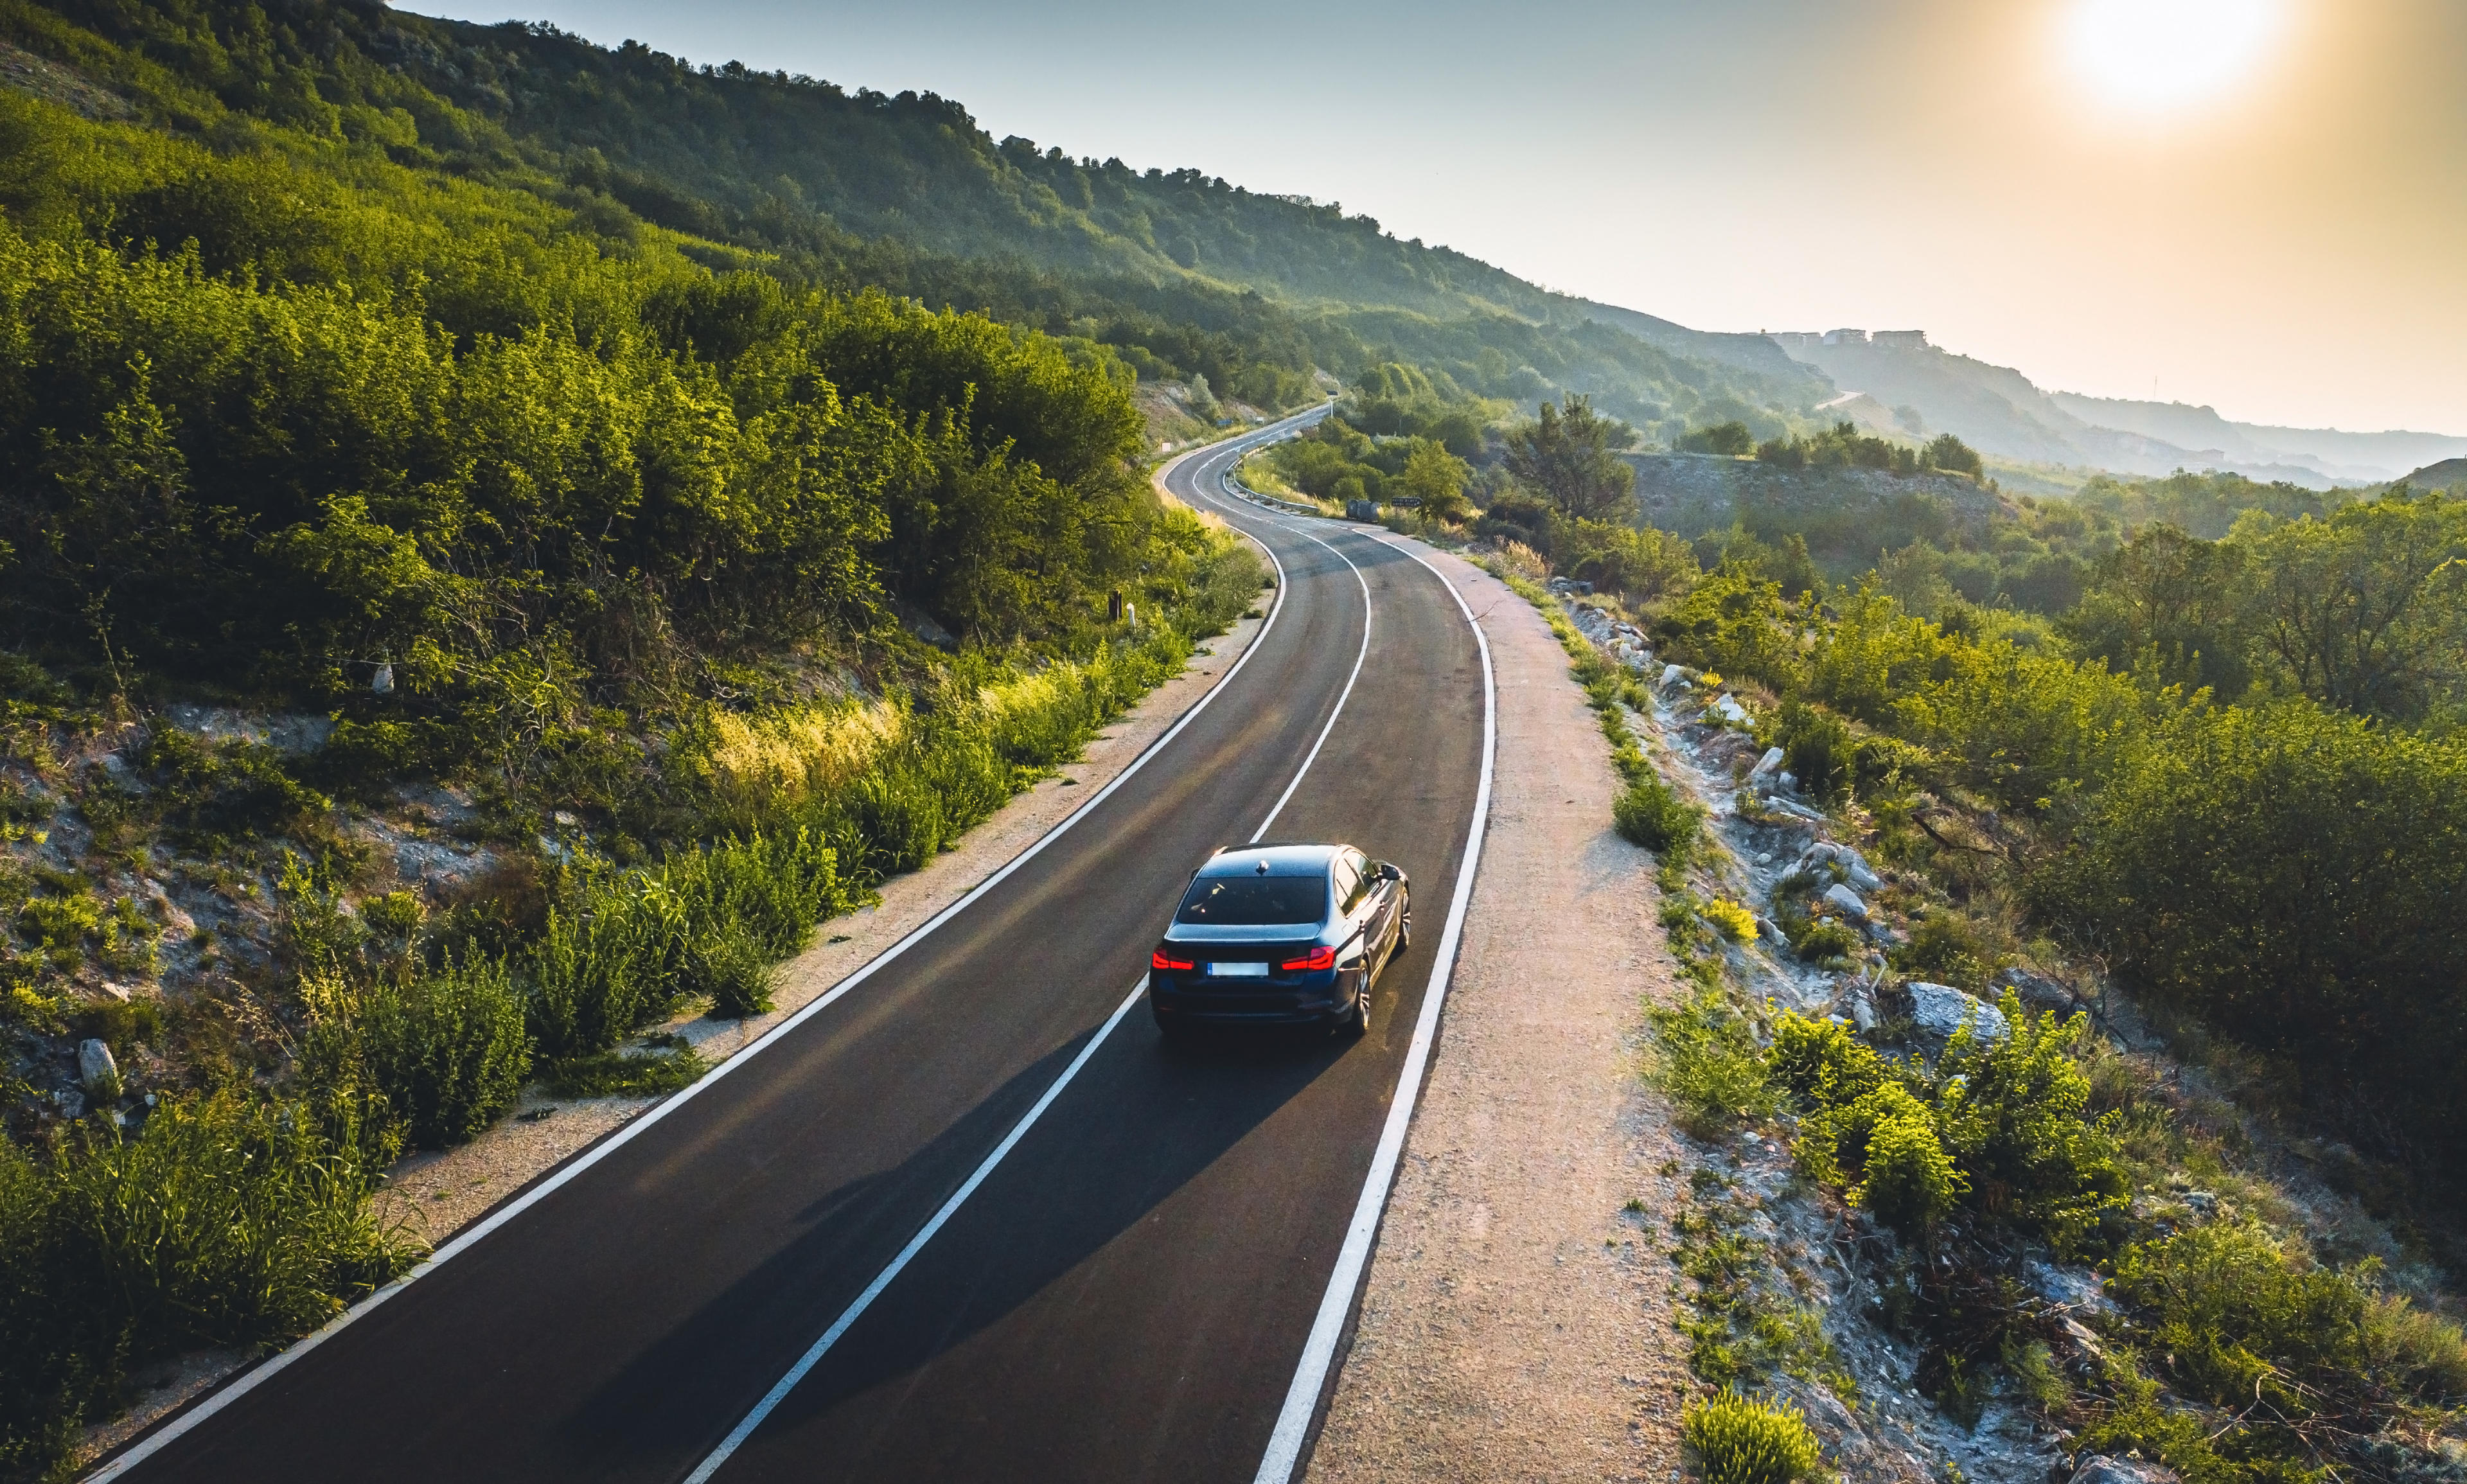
1282,858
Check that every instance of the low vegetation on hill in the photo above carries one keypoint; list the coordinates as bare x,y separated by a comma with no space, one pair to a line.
2047,1215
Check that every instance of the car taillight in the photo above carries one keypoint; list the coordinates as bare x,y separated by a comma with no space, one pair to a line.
1158,960
1312,962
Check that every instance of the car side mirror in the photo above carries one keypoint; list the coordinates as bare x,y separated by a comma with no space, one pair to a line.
1388,872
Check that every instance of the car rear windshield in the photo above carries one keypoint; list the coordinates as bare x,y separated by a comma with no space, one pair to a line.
1247,901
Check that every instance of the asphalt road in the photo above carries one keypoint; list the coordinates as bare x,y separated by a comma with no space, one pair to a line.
1124,1294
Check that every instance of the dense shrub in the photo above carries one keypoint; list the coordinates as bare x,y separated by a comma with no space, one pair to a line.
1817,747
727,966
1638,565
445,1049
1650,812
1946,949
2239,1319
620,946
228,1221
1998,1128
1739,1440
1821,1064
1831,757
1731,919
2291,876
2014,1112
1733,620
1706,1061
1865,1128
1825,939
1909,1180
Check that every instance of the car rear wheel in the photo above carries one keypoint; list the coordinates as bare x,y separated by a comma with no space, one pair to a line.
1357,1020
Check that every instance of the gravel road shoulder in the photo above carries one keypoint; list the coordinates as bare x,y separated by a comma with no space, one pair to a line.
1516,1323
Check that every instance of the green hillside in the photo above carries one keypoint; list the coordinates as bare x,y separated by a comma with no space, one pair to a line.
2449,474
1184,271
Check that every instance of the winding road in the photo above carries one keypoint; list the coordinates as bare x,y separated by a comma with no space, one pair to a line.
966,1217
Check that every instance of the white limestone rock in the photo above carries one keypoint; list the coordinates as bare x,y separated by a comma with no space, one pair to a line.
2124,1471
97,1071
1941,1009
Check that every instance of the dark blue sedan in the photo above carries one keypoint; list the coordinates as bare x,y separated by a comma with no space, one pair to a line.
1279,935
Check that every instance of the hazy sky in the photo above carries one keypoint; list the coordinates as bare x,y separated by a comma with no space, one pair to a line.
2261,204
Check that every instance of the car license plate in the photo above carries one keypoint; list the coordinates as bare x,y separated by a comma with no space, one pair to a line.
1254,970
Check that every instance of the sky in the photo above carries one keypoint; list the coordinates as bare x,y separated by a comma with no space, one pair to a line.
2259,205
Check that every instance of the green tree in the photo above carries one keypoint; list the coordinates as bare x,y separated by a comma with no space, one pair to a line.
1566,453
1203,401
116,542
1953,456
2167,599
1731,438
1437,479
2292,875
2367,610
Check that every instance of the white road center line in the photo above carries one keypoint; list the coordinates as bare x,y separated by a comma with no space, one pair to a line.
1361,654
849,1316
1342,696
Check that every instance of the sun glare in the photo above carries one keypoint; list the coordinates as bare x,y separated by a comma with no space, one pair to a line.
2160,55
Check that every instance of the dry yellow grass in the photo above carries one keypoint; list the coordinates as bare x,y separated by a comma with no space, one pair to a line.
758,762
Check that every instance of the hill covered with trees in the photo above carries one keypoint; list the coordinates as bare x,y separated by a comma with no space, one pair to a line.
904,192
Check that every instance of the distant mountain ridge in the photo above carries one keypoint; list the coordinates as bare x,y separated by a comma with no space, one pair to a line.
2001,412
1180,271
2366,457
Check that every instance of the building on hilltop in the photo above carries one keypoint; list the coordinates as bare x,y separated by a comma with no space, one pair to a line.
1888,339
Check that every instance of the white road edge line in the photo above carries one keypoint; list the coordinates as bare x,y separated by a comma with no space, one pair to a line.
1319,1353
187,1421
916,1243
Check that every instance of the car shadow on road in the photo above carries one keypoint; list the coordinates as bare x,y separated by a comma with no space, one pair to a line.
1143,1120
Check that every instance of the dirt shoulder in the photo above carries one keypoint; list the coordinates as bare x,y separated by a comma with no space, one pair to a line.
1516,1323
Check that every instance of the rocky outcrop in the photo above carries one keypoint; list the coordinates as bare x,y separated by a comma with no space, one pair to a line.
2123,1471
1855,868
1939,1010
1694,493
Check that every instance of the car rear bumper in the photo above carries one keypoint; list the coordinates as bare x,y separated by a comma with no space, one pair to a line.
1199,1001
